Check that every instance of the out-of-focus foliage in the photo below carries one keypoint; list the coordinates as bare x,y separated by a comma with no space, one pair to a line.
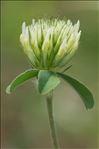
24,114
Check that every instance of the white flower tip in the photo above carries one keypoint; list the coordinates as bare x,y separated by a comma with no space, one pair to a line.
76,28
21,39
24,37
33,22
78,36
23,27
78,23
68,22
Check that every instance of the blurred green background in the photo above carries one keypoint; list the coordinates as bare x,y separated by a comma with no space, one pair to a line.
24,113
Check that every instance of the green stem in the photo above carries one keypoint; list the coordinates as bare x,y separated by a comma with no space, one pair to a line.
51,121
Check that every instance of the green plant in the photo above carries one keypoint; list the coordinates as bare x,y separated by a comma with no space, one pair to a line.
49,45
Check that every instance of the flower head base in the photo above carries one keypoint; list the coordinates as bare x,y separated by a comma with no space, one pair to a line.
50,44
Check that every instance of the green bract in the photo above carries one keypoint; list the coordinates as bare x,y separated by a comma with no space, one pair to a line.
50,44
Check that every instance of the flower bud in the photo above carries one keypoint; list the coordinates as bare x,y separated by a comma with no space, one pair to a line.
50,43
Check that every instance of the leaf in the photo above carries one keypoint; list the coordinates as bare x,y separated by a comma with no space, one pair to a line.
83,91
28,74
47,81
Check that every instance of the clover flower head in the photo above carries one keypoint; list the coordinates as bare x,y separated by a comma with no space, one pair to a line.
50,43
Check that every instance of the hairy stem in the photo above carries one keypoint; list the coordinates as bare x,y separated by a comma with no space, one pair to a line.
51,121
